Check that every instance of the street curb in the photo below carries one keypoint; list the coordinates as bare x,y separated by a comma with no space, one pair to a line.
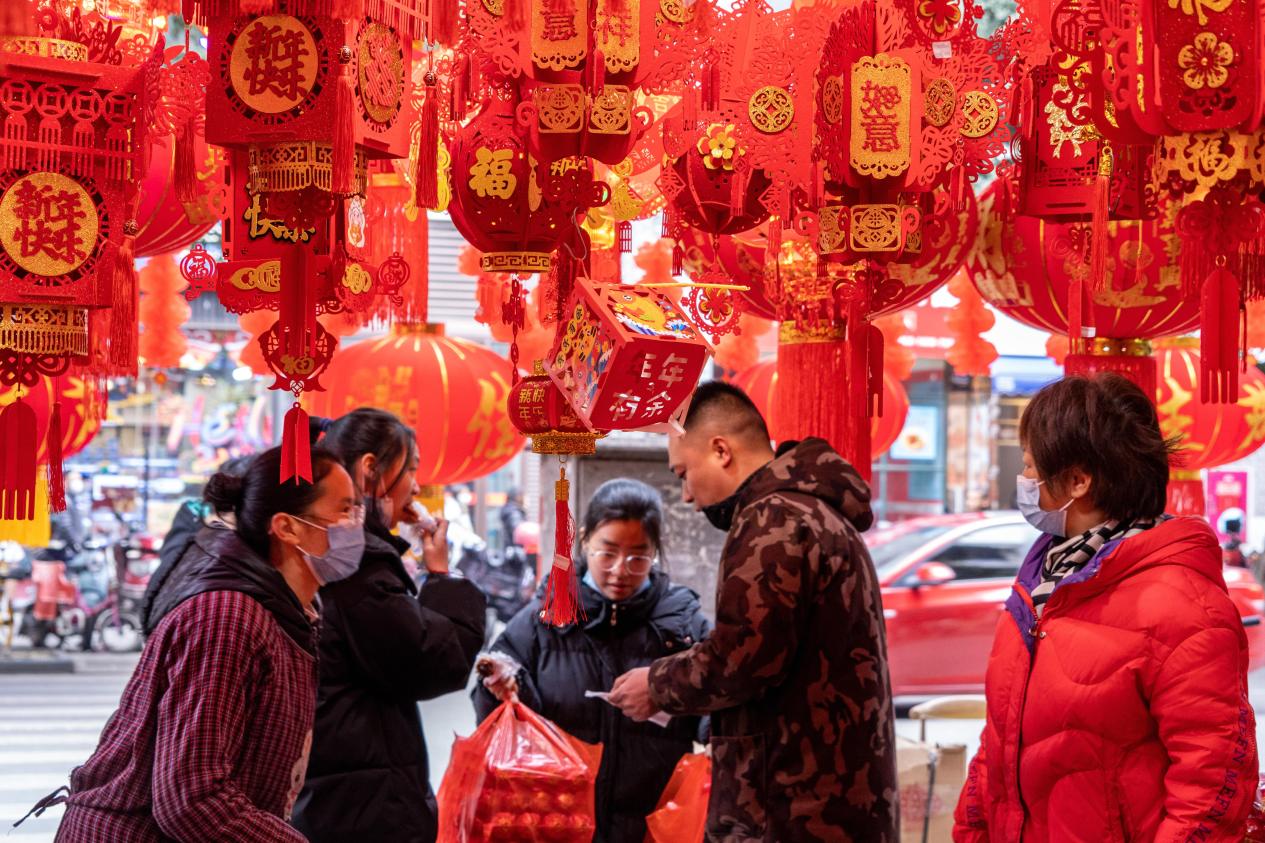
35,662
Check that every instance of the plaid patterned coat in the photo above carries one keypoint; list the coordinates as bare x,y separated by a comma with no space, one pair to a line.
211,738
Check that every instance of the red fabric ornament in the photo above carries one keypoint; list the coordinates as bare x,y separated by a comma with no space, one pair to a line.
970,354
163,311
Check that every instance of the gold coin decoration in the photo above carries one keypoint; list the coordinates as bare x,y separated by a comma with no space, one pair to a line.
980,111
771,109
939,102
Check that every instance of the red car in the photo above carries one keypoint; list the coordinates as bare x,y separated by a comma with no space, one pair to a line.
945,580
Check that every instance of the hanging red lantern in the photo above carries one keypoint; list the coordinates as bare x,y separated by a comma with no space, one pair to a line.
162,312
1031,270
1209,435
513,209
166,224
760,383
450,391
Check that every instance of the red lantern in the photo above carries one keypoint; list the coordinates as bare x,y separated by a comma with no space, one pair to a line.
760,383
166,223
451,392
1209,434
626,358
508,206
1036,271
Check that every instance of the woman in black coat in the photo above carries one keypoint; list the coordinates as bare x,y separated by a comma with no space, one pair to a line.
385,645
634,615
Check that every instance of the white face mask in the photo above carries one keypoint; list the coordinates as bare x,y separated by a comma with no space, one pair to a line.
1028,498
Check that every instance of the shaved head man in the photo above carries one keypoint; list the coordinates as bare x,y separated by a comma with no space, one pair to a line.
794,674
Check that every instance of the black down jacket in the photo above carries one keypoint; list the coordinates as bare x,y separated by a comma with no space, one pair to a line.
559,665
384,647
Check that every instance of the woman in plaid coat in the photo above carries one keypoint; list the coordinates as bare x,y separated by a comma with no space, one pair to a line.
211,738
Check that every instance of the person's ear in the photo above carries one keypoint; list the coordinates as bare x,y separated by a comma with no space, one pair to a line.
286,528
366,467
721,451
1078,483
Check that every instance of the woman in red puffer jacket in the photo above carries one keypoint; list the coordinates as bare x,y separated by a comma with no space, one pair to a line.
1117,685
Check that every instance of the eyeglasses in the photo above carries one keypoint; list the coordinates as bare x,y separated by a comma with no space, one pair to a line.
354,516
635,565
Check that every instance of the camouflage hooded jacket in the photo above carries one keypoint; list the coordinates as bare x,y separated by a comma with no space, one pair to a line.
795,672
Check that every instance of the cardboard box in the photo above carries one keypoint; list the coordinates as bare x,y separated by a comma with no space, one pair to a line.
914,763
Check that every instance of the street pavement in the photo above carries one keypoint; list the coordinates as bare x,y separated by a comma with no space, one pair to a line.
50,723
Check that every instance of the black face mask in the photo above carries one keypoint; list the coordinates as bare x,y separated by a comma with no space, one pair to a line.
721,515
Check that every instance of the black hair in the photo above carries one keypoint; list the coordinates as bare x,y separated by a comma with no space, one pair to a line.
369,430
235,466
719,402
625,499
257,494
1107,427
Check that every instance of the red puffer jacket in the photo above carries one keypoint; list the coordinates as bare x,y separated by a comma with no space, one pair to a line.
1123,715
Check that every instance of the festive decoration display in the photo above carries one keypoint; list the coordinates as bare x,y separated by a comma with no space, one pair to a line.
74,149
305,96
1209,435
761,382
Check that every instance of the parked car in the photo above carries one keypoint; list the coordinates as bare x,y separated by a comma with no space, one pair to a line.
945,580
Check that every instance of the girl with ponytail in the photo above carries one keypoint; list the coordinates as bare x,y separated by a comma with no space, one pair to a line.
385,646
211,739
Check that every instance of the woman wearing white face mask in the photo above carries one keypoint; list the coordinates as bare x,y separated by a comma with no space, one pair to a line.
1117,685
211,737
385,645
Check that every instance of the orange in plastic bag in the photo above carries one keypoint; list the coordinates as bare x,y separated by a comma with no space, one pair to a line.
681,816
519,778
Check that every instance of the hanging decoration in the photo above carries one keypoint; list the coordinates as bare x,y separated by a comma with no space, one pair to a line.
162,312
1183,80
970,353
1029,268
304,98
1209,435
452,392
74,149
760,382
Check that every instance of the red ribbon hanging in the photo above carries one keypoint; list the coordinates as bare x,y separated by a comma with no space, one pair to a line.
296,446
561,606
18,444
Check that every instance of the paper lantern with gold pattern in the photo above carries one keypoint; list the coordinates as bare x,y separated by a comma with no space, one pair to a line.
450,391
1209,434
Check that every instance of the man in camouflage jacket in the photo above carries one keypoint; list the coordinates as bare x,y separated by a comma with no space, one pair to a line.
794,674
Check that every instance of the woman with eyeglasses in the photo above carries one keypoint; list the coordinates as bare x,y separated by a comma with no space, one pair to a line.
633,615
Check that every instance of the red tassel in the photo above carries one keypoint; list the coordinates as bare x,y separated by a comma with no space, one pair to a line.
597,79
874,347
624,229
426,177
1098,235
185,165
1220,301
343,176
515,14
52,448
296,446
561,606
19,442
123,318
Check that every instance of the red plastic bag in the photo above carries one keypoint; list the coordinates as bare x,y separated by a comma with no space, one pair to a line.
1255,831
519,778
681,816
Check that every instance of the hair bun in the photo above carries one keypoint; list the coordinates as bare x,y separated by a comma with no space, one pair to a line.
224,492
